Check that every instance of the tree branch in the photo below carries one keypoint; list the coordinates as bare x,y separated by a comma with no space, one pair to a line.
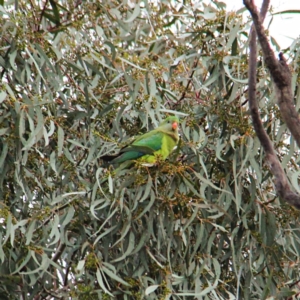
282,78
280,73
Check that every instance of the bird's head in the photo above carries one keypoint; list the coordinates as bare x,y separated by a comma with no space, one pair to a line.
170,124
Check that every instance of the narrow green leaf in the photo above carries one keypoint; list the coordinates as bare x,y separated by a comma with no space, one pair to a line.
55,230
98,239
150,289
110,184
80,265
147,208
147,189
30,231
23,263
220,147
101,283
131,244
55,11
134,14
2,96
35,63
76,143
60,141
69,216
3,154
126,226
12,57
287,11
9,228
113,275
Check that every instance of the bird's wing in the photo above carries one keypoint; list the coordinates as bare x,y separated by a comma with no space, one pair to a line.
152,140
145,144
138,148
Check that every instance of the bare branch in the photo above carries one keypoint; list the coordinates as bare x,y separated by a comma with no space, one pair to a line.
280,73
257,123
281,182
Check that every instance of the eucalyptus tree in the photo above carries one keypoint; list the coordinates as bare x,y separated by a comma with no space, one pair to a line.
79,80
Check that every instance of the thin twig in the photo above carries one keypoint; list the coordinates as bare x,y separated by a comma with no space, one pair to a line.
42,13
189,80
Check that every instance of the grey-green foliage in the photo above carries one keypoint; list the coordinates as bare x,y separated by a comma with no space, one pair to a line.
79,79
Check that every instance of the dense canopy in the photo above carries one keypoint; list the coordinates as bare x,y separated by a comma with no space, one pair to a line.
80,79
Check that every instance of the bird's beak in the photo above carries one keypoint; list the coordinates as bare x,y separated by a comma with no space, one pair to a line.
174,125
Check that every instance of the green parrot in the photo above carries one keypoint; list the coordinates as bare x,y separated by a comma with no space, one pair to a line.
157,143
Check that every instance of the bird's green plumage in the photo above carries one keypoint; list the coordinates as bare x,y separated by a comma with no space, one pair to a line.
151,146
